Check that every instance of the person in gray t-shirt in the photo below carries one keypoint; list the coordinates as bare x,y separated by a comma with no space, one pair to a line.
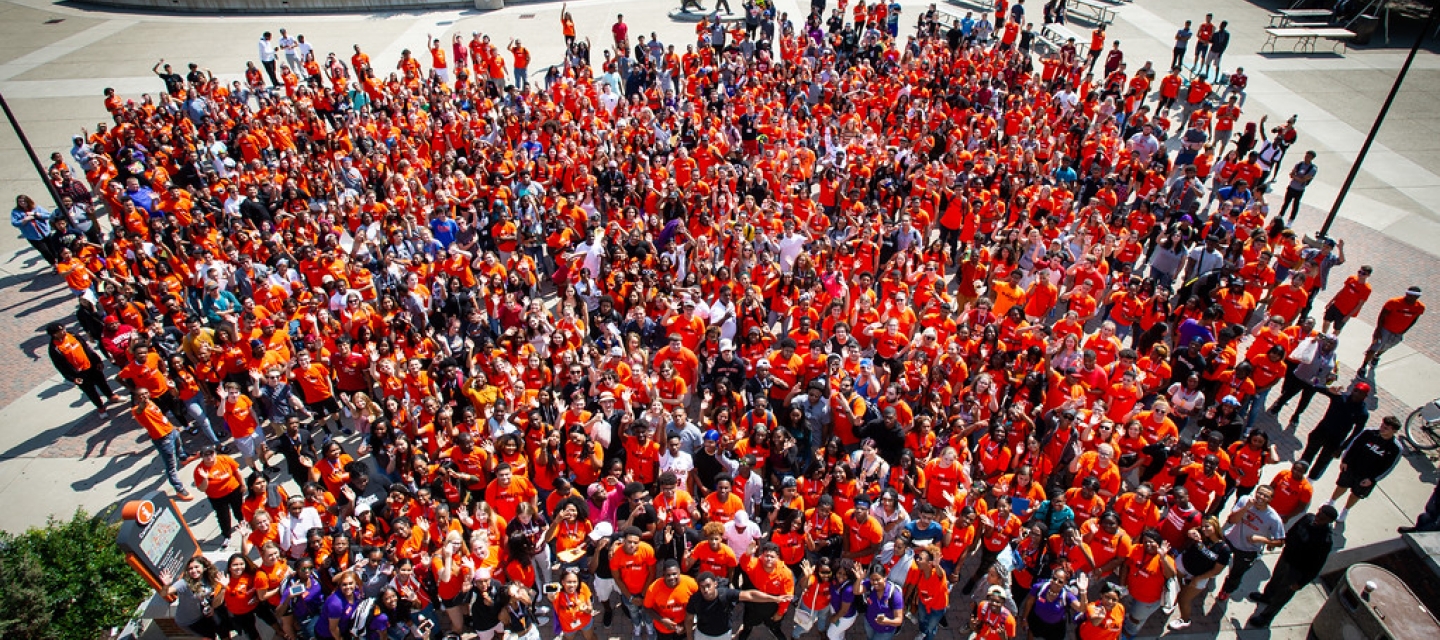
1252,527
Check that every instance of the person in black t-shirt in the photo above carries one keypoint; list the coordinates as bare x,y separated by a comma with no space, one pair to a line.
637,511
604,579
710,463
709,613
489,600
673,541
174,84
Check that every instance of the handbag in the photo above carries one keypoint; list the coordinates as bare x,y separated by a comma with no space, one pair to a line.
1305,352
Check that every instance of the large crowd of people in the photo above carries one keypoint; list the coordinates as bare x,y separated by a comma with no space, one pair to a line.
842,325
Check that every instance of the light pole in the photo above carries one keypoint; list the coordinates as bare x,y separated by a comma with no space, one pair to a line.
1380,118
29,150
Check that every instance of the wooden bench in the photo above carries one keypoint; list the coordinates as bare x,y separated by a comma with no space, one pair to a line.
1056,35
1091,10
1305,38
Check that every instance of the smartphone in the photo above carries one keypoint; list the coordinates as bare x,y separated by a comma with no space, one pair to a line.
297,590
425,626
551,588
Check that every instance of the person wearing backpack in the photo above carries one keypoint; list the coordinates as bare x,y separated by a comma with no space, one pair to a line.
884,604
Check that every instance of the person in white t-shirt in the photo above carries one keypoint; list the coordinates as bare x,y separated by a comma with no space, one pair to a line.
675,460
740,532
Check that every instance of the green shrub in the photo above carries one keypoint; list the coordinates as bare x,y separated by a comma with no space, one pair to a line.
66,581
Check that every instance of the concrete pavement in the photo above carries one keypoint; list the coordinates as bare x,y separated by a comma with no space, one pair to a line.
55,455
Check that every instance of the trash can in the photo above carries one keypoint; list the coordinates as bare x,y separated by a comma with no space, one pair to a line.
1371,602
1364,27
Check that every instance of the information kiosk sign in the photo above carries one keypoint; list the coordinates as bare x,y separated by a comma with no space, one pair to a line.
155,538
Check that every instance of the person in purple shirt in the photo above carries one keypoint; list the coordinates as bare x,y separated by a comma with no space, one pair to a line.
393,619
338,613
1048,606
884,604
842,597
304,606
141,195
1192,329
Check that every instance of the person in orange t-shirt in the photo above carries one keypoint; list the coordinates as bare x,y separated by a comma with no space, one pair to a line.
315,382
452,570
218,477
271,574
928,589
1293,490
1396,318
1102,619
712,555
666,598
237,409
241,596
508,491
863,533
722,504
331,468
163,435
633,565
78,363
1204,482
1144,574
769,576
1348,301
573,606
1248,458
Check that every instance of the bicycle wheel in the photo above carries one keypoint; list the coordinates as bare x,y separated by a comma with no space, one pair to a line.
1421,429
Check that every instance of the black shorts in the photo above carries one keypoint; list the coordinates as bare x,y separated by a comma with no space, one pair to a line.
1333,316
1351,481
326,407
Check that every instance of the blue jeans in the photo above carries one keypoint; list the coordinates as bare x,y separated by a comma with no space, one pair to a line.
1257,404
172,451
872,634
819,620
929,622
195,409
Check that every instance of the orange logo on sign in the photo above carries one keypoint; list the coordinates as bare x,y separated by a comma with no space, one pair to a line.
144,513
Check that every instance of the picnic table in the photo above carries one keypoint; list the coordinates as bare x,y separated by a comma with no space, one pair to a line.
1301,18
1092,10
946,19
1306,37
1055,35
983,5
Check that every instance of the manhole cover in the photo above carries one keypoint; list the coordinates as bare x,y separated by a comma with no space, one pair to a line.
527,16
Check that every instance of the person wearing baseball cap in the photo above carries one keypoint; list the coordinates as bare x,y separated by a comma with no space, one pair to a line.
1345,417
992,617
1396,318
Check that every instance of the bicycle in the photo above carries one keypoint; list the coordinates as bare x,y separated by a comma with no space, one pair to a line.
1422,426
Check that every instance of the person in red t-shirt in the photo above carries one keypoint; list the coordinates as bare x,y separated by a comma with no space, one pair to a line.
1348,301
1396,318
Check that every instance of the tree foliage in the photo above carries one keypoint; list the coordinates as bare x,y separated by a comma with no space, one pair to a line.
66,581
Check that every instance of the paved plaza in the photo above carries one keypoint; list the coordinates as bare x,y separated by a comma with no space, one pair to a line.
56,58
